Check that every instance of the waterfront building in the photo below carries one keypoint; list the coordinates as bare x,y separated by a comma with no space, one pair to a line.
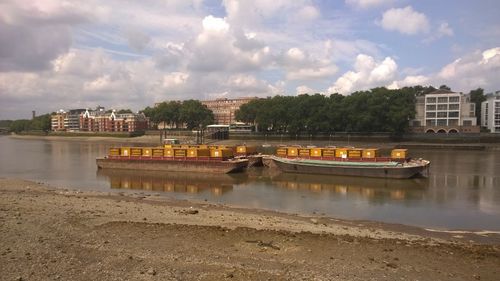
490,112
57,120
444,111
101,121
224,109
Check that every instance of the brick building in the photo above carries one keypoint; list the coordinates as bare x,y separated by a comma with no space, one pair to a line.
224,109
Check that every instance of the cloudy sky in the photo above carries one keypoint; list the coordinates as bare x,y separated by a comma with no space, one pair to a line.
63,54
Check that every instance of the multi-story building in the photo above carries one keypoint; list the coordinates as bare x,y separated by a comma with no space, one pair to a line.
98,120
490,112
57,120
101,121
444,111
224,109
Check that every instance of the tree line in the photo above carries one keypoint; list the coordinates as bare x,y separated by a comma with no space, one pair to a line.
376,110
191,113
39,123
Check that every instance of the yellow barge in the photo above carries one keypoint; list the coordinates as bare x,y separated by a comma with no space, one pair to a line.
173,158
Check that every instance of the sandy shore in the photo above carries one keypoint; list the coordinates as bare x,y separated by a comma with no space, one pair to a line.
53,234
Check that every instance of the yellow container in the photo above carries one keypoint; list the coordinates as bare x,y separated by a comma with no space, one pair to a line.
354,153
185,146
328,152
246,150
134,151
114,152
125,151
370,153
167,146
306,152
221,152
147,152
180,152
198,152
204,146
316,152
281,151
399,153
157,152
341,152
292,151
168,152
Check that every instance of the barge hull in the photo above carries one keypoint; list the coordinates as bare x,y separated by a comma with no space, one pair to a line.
396,172
220,167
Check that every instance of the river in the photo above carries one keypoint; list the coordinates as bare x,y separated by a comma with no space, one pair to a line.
462,190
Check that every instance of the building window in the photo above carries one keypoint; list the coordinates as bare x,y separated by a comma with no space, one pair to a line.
431,107
453,122
430,114
453,106
430,123
442,99
467,123
453,114
431,100
442,114
454,99
442,122
442,107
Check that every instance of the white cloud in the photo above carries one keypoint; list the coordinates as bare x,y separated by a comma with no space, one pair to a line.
444,29
410,81
308,13
405,20
303,89
478,69
365,4
367,74
214,24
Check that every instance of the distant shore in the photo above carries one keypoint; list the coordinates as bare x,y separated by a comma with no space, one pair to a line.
154,140
53,233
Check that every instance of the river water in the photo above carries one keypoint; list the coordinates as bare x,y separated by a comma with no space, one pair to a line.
461,192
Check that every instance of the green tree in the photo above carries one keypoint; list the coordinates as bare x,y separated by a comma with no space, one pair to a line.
195,115
477,97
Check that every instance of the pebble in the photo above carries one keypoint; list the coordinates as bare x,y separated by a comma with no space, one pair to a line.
151,271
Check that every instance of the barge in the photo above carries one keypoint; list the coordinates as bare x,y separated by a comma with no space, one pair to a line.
348,162
172,158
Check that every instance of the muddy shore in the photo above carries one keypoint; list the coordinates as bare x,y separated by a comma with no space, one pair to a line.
56,234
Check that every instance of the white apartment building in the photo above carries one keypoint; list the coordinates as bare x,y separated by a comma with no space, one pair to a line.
444,111
490,112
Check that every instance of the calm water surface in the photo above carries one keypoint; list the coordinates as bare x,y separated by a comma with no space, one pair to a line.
462,191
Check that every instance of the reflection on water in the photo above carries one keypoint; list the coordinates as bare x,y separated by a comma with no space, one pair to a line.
373,189
216,184
462,191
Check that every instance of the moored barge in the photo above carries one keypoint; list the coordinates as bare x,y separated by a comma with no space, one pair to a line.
173,158
348,162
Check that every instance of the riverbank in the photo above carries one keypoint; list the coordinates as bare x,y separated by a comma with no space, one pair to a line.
153,140
50,233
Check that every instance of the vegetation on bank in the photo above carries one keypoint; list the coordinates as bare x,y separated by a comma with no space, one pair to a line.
376,110
192,113
38,124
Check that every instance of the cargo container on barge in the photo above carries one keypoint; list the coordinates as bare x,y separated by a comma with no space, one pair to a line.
173,158
344,161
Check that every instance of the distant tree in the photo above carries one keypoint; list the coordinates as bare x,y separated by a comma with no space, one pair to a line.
477,97
444,87
151,113
195,115
123,111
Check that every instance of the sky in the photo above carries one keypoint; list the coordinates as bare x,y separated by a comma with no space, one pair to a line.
65,54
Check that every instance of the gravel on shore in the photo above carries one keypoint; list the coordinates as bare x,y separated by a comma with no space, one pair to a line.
56,234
